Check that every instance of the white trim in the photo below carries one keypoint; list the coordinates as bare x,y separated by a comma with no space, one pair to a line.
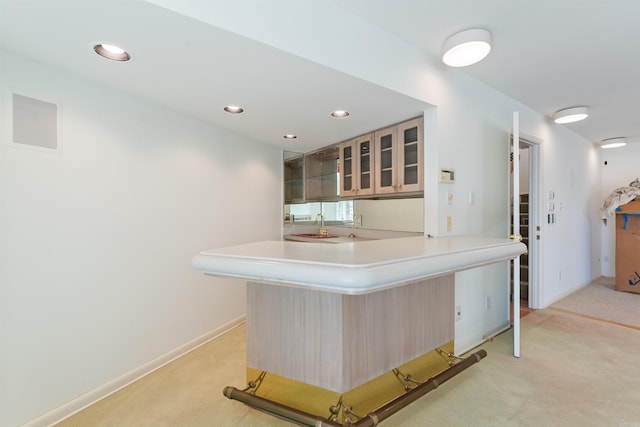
535,218
78,404
463,347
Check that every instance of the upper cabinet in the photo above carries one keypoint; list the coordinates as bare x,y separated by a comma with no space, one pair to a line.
399,159
294,180
385,163
356,161
321,174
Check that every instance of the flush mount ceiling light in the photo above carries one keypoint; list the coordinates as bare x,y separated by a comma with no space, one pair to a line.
233,109
570,115
466,47
112,52
613,142
290,136
340,114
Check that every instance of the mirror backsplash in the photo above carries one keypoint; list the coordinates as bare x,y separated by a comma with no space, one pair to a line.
377,214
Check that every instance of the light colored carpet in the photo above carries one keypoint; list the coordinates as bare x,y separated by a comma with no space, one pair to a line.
573,371
600,300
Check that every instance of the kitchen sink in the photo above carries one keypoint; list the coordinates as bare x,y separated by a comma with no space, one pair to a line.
315,235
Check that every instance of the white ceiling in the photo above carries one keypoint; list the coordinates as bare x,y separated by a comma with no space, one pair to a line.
549,54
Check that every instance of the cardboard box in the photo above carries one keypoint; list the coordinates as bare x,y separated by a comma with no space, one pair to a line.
628,247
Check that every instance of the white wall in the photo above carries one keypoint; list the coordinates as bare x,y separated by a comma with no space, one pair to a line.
96,243
131,203
620,169
468,130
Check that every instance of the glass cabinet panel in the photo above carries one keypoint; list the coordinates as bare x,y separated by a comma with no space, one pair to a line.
294,179
356,160
385,160
346,162
321,174
410,161
398,158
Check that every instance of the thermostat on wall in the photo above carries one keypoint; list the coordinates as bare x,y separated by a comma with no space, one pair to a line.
447,175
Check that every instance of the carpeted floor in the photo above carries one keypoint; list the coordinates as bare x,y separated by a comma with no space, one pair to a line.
600,300
573,371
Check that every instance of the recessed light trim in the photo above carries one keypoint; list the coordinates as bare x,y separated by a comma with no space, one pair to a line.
466,47
233,109
571,115
613,142
290,136
112,52
340,114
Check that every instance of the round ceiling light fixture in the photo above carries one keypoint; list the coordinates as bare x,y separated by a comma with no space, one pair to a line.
571,115
112,52
466,47
290,136
233,109
613,142
340,114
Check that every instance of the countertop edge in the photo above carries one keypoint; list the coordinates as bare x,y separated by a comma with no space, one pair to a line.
353,279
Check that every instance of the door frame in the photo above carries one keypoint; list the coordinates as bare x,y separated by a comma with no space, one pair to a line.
535,217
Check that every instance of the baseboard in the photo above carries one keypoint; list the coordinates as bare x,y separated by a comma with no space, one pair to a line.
465,346
565,294
76,405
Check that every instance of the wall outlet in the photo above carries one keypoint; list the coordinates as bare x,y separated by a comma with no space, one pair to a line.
458,312
449,223
487,302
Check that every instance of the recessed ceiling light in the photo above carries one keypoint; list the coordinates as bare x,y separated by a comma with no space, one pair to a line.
112,52
466,47
571,115
613,142
340,114
233,109
290,136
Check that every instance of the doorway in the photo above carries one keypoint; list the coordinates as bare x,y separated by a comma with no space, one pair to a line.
528,203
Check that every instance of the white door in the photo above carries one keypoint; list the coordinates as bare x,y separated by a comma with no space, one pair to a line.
514,149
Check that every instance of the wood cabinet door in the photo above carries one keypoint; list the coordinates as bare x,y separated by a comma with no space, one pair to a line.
348,172
385,159
410,163
364,164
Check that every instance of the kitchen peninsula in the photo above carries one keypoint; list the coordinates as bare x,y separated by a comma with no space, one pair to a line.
337,316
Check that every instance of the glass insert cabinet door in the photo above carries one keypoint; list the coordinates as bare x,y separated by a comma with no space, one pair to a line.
356,162
294,179
410,156
399,158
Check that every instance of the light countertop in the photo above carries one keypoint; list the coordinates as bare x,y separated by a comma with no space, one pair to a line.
355,267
